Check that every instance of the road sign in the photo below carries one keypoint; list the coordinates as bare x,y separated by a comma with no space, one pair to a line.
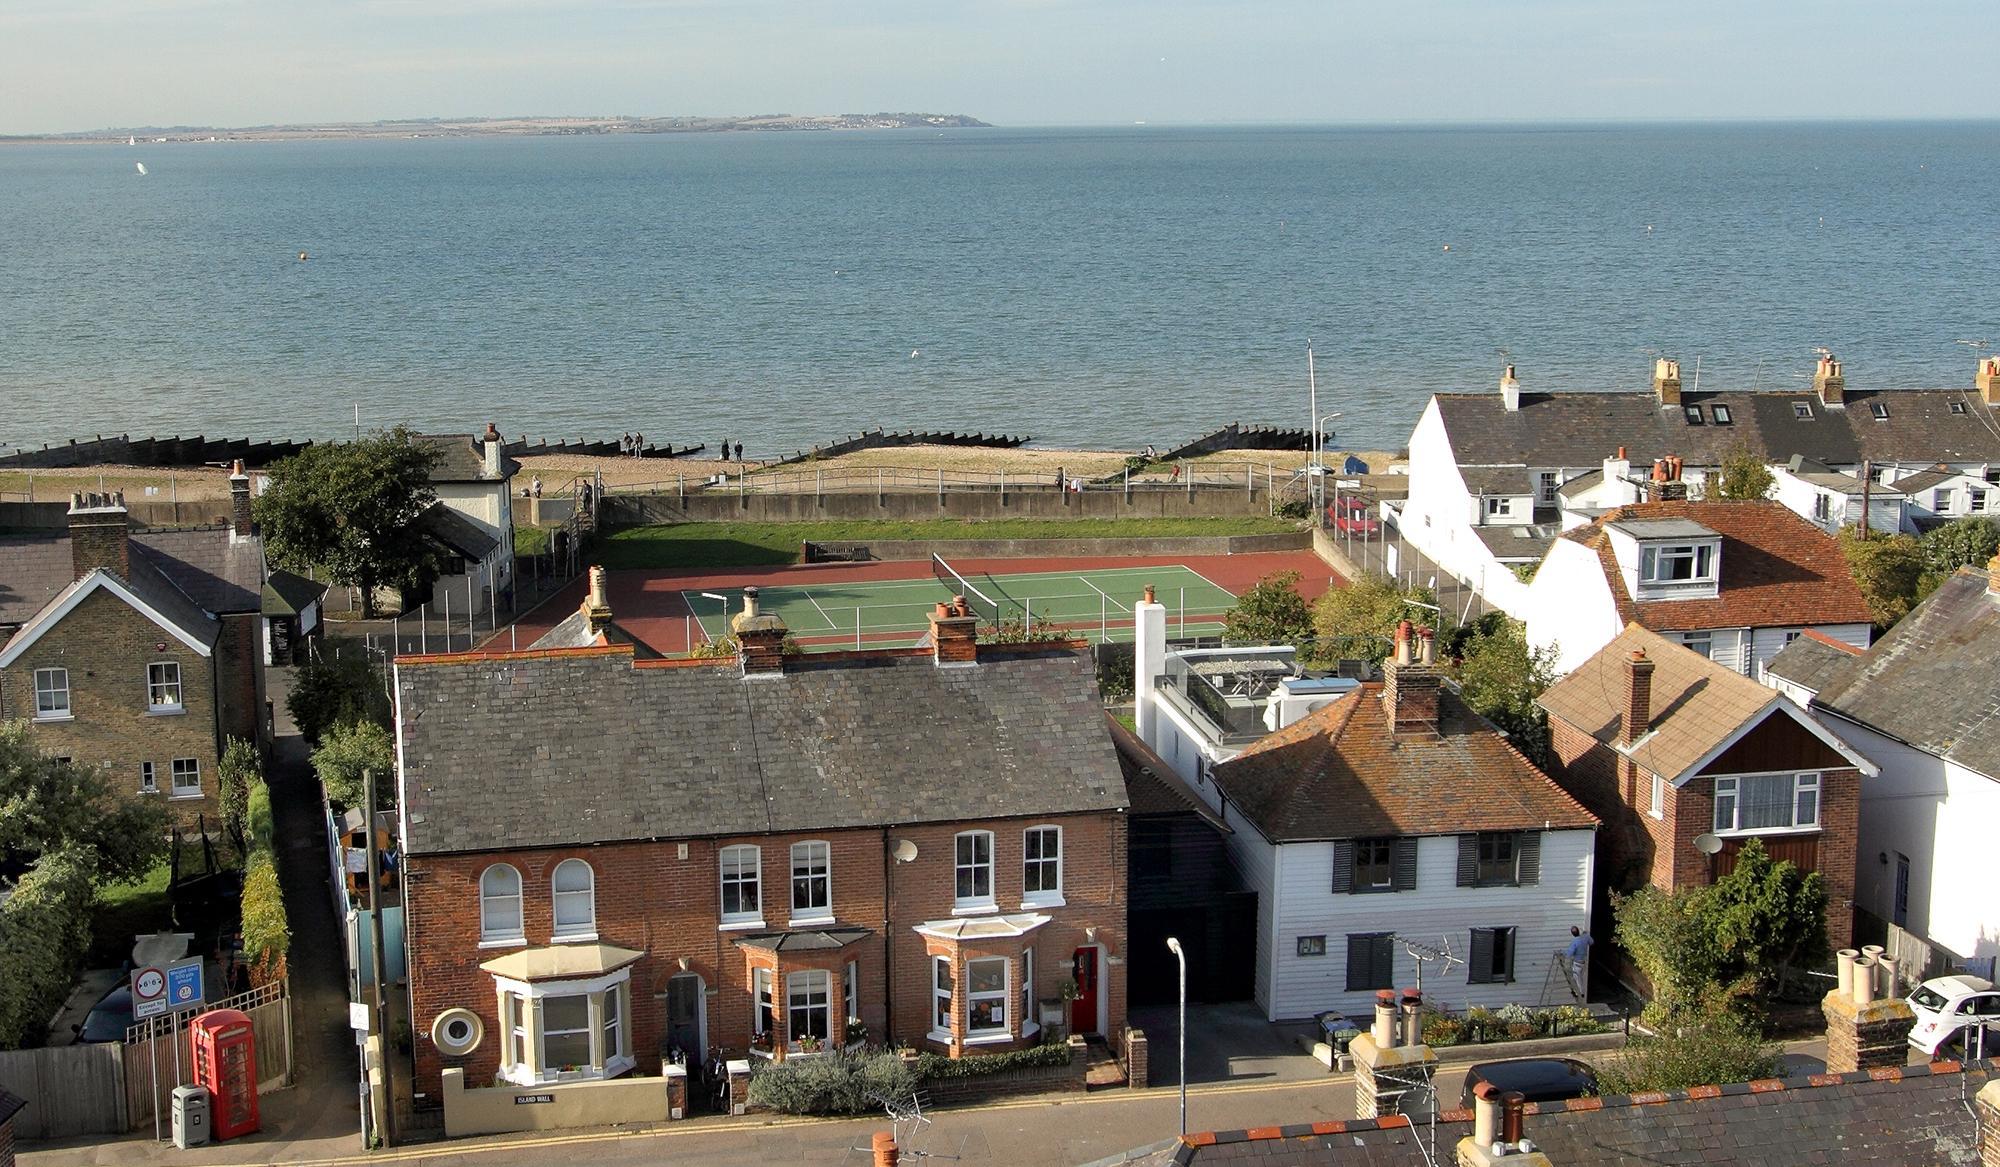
184,984
149,992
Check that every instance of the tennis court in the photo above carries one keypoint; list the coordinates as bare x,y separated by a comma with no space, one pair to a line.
1093,604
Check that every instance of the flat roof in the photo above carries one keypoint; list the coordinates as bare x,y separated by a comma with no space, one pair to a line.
1664,529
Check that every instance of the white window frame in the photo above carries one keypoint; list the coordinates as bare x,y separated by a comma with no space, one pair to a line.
1029,1026
1038,868
763,1001
1659,804
162,683
1702,642
149,778
997,998
1975,500
974,868
731,862
1729,791
820,872
1700,557
944,1005
583,927
493,937
1545,487
850,993
180,767
800,988
607,1005
57,683
1499,506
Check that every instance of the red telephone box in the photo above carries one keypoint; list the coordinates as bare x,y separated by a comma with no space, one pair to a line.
225,1061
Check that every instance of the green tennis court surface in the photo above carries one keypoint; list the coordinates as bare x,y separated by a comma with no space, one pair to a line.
1091,604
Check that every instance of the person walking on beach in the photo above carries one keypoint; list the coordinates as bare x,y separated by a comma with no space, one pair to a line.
725,449
638,445
625,444
739,451
535,487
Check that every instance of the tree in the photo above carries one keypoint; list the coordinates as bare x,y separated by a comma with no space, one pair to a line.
351,508
345,752
1769,916
1359,621
1968,541
239,770
1744,475
49,805
1500,675
342,685
1888,569
1271,612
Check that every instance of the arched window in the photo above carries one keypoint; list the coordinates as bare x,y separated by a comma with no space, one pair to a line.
573,887
500,905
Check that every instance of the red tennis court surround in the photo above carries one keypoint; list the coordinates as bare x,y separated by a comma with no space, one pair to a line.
647,602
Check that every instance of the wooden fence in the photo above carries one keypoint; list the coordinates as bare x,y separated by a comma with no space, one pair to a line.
71,1090
153,1066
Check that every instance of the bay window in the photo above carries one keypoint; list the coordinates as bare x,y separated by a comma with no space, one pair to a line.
1766,802
986,996
563,1030
760,985
941,997
808,994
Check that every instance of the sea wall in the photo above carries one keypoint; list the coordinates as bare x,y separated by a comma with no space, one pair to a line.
719,507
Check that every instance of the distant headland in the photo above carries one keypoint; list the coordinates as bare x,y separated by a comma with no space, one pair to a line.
517,127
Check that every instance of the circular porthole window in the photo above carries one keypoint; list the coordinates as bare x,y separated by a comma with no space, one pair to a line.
457,1032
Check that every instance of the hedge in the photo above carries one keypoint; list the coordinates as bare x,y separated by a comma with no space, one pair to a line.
266,932
44,930
938,1067
832,1083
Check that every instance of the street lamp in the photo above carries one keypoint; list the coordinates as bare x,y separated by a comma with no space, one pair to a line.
1315,472
1174,946
725,610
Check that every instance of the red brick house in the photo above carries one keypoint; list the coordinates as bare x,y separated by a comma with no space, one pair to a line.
609,858
138,650
1685,760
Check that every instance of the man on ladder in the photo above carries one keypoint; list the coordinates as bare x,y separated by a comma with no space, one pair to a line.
1574,961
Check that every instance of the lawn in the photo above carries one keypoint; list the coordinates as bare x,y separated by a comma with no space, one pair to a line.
771,544
531,540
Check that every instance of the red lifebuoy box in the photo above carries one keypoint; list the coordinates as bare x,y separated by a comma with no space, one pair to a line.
225,1061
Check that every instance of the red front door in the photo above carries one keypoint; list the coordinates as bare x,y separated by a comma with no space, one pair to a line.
1083,1010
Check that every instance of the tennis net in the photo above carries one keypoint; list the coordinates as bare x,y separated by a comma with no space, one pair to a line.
982,605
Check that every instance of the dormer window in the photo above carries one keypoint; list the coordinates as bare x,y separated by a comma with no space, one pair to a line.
1693,413
1677,563
1499,507
1721,414
1802,410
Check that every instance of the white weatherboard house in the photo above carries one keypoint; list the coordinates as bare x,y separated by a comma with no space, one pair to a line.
472,522
1374,821
1734,581
1921,702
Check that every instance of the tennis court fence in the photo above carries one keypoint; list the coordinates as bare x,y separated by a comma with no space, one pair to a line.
1251,478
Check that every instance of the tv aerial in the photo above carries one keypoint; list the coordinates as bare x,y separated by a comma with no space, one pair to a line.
909,1126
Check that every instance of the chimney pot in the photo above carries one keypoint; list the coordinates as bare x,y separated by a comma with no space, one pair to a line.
954,633
1485,1114
1621,453
1511,1104
99,536
1149,595
1987,380
884,1146
1384,1032
1510,391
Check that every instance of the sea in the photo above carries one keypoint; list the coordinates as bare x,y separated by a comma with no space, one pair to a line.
1111,287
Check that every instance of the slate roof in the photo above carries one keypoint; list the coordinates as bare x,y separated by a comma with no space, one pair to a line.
1925,479
678,749
1806,470
1339,773
1151,784
1697,704
573,631
1778,570
457,532
462,458
1582,429
1908,1115
1930,681
1522,544
287,594
1811,660
1499,480
204,564
10,1105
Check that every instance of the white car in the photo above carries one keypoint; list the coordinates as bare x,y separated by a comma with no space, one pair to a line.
1952,1011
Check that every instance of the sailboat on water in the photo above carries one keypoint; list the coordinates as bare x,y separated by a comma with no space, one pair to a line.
142,168
131,141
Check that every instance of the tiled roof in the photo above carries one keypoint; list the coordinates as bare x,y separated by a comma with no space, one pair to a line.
1150,782
219,574
462,458
456,532
674,749
1930,680
1811,659
1909,1115
1697,704
1583,429
1778,570
1339,773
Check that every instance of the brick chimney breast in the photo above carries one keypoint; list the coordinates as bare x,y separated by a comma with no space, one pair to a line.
99,535
1637,718
1987,380
596,605
1411,684
1829,382
1667,382
240,525
954,633
760,638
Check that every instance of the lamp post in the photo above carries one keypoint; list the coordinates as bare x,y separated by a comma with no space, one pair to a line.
1174,946
725,610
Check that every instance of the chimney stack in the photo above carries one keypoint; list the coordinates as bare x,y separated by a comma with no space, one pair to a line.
239,502
1411,683
596,605
1667,484
1993,575
1149,655
1510,391
954,633
1987,380
1829,382
1637,719
1667,382
760,639
495,449
98,534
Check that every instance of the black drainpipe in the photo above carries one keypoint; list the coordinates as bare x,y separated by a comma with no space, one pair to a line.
888,948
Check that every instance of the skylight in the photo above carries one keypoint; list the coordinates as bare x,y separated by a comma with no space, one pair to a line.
1802,410
1880,409
1693,413
1721,414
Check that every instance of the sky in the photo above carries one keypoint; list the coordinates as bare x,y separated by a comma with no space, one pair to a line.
88,64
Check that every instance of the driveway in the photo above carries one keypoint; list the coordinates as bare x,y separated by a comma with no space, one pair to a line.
1227,1043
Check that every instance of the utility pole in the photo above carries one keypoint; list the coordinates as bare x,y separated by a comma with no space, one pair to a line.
1867,474
385,1099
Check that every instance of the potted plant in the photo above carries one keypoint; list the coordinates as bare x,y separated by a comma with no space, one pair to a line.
808,1043
857,1032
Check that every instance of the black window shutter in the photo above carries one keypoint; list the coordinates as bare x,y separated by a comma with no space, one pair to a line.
1528,852
1384,962
1479,969
1358,963
1343,866
1468,860
1405,875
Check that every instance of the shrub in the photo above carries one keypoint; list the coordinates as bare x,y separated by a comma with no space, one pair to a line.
1515,1014
266,932
1710,1049
1567,1020
938,1067
1271,612
832,1083
342,686
345,752
1441,1030
237,773
257,818
44,929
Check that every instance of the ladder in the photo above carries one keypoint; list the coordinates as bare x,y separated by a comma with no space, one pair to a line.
1562,964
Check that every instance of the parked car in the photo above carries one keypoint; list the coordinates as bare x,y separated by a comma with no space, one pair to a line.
109,1018
1350,516
1538,1079
1950,1011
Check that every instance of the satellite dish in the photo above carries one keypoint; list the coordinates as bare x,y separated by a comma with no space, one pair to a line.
1708,844
904,851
